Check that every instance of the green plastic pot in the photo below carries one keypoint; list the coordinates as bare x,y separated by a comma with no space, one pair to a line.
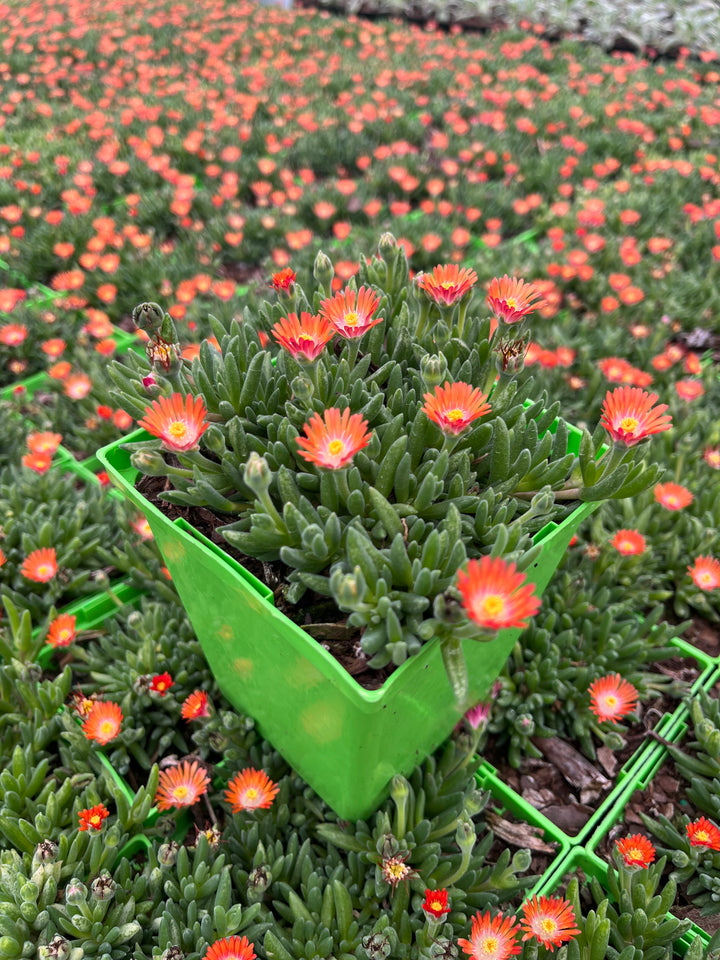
345,741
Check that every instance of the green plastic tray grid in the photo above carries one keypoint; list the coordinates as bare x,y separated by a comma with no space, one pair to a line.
487,779
30,385
591,865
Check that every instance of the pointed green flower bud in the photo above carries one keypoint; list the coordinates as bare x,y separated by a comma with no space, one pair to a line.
302,389
323,271
387,246
75,891
149,462
214,440
257,473
434,370
167,854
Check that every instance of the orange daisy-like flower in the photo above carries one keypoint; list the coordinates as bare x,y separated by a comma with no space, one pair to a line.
41,565
305,338
550,920
495,595
3,558
37,462
673,496
103,722
352,315
628,542
251,790
491,938
77,386
231,948
181,785
333,440
161,683
195,706
703,833
636,851
13,334
43,442
611,697
511,299
711,456
436,903
447,284
284,279
62,630
455,406
628,415
93,817
179,421
689,389
705,573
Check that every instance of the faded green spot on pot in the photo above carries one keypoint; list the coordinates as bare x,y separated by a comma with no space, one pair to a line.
173,551
243,667
303,674
322,721
225,632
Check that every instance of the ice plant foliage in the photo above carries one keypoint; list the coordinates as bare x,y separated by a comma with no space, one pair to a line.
630,415
306,338
455,406
495,595
491,937
251,790
511,299
103,722
636,850
331,441
179,421
181,785
703,833
612,697
550,920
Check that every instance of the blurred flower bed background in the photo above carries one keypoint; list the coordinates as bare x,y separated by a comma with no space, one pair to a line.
186,155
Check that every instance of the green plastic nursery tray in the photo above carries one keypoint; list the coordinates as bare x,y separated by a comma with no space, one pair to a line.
591,866
345,741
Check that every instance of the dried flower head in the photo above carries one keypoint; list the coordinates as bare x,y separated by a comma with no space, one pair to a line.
511,299
611,697
636,850
331,441
251,790
492,937
181,785
550,920
179,421
495,595
455,406
629,415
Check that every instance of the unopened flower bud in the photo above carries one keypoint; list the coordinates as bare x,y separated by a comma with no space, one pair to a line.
323,271
525,724
387,246
149,462
134,619
214,440
302,389
433,369
173,953
46,852
167,854
680,859
387,846
75,891
103,888
149,381
521,861
148,316
614,740
349,591
376,946
257,474
57,949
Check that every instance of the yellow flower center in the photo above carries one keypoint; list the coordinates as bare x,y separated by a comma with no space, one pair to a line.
335,447
611,700
396,870
489,945
95,821
634,853
44,571
107,726
511,302
455,414
705,577
703,836
436,905
180,792
628,424
251,793
65,634
548,925
351,319
177,429
493,605
447,284
305,338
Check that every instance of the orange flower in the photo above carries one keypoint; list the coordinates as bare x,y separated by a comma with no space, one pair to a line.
53,348
447,284
611,697
3,558
673,496
512,299
636,851
436,903
491,938
550,920
333,440
231,948
61,632
103,722
195,706
177,420
689,389
495,595
161,683
628,542
181,785
39,462
614,369
41,565
284,279
352,315
251,790
77,386
629,416
93,817
703,833
711,456
705,573
13,334
455,406
43,442
306,338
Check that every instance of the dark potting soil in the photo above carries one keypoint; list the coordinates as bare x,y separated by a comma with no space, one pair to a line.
563,784
317,615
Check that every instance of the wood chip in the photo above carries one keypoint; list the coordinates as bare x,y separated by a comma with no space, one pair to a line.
519,834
